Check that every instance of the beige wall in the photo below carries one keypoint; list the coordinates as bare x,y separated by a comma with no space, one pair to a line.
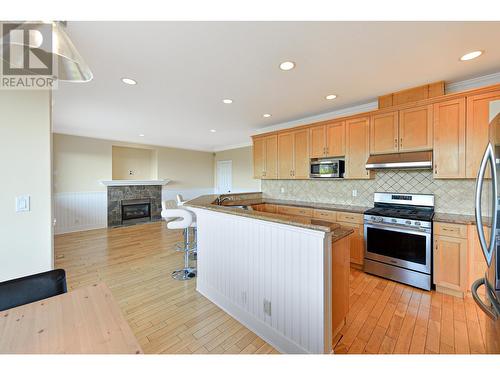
242,161
139,161
80,163
25,161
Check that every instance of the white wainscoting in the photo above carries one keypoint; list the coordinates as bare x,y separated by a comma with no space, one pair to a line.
78,211
242,261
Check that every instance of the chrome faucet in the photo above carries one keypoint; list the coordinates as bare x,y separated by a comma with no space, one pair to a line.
220,200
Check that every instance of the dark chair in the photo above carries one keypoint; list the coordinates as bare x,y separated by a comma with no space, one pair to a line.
32,288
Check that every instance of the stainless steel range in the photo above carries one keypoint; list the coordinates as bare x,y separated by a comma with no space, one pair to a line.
398,238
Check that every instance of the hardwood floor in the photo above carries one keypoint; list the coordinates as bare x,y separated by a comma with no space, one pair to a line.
169,316
387,317
166,315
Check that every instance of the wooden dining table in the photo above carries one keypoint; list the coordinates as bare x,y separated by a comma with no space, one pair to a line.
84,321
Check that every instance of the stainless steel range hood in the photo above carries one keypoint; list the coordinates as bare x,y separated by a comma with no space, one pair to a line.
409,160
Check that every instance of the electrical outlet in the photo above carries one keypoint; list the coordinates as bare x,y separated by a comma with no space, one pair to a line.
267,307
354,193
282,190
131,172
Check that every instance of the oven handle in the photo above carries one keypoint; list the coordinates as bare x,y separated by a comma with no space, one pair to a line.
400,228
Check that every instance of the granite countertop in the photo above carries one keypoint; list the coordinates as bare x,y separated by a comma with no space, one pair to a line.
207,202
247,199
454,218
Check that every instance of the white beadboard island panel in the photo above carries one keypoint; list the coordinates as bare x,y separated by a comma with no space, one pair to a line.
77,211
243,261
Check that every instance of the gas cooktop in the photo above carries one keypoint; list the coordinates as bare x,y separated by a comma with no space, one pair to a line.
403,212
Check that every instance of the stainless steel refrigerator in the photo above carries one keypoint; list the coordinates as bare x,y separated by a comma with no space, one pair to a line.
488,228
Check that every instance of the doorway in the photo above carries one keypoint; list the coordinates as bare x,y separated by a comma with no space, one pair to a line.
224,176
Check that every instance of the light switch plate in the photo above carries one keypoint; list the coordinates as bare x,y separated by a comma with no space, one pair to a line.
354,193
282,190
23,203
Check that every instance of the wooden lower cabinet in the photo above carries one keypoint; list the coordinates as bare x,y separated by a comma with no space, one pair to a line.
450,258
340,284
294,211
265,207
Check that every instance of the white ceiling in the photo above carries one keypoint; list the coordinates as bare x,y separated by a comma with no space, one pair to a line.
185,69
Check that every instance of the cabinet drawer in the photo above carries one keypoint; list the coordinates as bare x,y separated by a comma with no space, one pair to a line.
295,211
450,230
350,217
325,215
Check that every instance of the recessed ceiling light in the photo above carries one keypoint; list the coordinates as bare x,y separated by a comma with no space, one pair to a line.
141,135
330,97
129,81
212,130
471,55
227,101
287,65
266,115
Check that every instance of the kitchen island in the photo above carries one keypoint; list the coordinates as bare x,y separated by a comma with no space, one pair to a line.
285,277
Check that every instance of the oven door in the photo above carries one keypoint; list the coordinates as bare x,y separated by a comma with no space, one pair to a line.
399,246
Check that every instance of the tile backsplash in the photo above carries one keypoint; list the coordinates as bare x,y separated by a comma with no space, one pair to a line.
451,196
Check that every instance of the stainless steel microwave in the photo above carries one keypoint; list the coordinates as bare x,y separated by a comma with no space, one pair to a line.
327,168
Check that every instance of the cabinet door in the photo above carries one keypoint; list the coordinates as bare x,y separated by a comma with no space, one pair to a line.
357,243
335,139
271,149
477,130
449,139
450,262
259,156
317,136
357,147
415,129
301,154
384,133
285,155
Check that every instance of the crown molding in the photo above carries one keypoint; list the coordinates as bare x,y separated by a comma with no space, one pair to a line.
232,147
473,83
352,110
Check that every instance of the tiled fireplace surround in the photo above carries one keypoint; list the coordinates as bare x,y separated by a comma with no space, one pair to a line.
451,196
130,192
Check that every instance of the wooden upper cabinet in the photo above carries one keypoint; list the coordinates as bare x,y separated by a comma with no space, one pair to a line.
271,171
285,155
335,139
449,139
477,130
317,139
415,129
301,160
327,140
265,157
293,154
384,133
259,157
357,147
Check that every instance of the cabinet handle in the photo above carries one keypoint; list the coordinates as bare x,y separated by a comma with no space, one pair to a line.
401,143
396,143
435,169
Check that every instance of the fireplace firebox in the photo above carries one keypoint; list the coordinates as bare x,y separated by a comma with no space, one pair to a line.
135,210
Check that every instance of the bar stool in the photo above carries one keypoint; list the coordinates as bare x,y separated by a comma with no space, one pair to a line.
183,220
180,202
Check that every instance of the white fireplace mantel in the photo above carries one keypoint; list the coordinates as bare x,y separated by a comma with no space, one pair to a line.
133,182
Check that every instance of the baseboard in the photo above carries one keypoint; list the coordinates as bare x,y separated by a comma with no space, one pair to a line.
451,292
78,228
280,342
